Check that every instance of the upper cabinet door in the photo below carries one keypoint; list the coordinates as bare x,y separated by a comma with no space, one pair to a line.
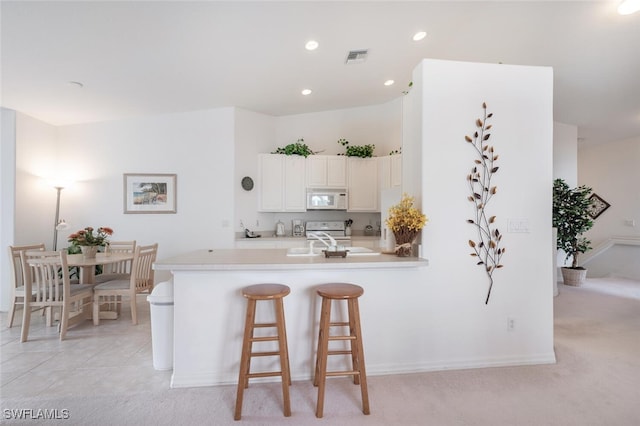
295,190
282,183
363,184
390,171
271,172
316,171
326,171
337,171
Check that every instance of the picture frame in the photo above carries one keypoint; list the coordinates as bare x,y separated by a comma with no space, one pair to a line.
150,193
598,205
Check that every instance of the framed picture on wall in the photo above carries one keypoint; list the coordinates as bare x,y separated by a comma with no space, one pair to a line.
150,193
598,205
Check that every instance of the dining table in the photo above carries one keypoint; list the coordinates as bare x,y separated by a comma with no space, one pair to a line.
87,266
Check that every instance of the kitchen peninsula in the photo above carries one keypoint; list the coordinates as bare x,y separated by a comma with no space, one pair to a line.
209,309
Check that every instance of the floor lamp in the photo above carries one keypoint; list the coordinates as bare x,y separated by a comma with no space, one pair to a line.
58,224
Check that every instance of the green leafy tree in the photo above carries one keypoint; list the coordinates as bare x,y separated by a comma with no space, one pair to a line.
571,218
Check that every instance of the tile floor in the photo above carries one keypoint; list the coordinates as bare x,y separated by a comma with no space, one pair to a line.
92,360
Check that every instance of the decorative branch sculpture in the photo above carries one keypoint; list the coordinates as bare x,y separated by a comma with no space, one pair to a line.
487,247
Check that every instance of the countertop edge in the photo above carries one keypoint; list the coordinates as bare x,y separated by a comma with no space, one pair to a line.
276,259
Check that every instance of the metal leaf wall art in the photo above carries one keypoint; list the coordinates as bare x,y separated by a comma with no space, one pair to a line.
486,248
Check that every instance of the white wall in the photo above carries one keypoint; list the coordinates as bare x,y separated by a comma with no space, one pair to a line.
565,153
38,169
197,146
451,97
380,125
612,171
255,133
7,195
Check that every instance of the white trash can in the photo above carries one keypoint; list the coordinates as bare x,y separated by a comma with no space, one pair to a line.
161,305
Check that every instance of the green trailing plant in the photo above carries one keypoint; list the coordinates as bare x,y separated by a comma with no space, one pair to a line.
298,148
362,151
408,89
486,249
571,218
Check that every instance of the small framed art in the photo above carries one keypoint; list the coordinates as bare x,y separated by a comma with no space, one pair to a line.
150,193
598,205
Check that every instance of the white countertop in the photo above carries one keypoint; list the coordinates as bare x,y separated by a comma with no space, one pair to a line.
274,259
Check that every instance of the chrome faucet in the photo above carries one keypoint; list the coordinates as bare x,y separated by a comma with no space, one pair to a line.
316,235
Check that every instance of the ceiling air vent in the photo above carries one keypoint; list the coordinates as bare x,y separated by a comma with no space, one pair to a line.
357,56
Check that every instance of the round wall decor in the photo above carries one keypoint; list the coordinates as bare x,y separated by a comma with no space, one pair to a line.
247,183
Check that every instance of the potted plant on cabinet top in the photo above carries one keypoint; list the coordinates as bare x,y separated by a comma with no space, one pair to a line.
571,218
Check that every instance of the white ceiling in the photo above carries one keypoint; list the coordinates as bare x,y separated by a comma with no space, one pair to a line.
140,58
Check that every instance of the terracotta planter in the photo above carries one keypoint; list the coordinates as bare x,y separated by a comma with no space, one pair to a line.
89,252
574,277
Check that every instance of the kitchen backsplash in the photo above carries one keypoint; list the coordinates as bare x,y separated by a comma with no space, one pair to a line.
266,222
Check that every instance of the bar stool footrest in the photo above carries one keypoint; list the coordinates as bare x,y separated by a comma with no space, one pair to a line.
265,374
274,353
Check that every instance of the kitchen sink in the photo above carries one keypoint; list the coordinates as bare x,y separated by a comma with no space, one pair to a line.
351,251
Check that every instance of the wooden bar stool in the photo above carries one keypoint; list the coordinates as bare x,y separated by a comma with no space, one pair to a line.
254,293
349,293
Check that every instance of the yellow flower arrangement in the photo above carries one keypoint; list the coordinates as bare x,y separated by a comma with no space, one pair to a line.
405,221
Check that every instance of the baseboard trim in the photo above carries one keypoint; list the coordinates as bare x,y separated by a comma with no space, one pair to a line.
204,379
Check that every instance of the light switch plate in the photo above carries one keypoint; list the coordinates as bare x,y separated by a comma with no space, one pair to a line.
518,225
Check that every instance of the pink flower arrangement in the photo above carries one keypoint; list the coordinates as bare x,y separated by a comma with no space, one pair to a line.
86,236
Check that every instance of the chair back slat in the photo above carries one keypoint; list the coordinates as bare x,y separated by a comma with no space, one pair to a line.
16,262
46,275
123,267
143,275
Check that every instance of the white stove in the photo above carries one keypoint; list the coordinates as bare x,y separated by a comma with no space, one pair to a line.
335,228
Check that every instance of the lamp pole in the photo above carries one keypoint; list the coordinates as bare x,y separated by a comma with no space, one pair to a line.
55,224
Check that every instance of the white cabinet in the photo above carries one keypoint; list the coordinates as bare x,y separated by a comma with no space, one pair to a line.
326,171
390,171
363,184
282,183
295,190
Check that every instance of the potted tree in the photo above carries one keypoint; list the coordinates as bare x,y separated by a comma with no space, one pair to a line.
571,218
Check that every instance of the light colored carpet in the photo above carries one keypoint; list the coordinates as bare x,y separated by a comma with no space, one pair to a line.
596,381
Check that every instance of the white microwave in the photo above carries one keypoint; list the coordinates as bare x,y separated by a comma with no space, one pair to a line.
326,199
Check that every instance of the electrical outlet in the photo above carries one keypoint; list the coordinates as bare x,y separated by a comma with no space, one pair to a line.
511,324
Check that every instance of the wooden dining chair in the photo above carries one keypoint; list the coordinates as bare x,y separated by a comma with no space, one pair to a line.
17,277
46,276
141,281
119,270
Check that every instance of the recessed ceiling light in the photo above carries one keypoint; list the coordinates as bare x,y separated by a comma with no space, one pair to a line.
311,45
306,92
419,35
389,82
76,84
627,7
